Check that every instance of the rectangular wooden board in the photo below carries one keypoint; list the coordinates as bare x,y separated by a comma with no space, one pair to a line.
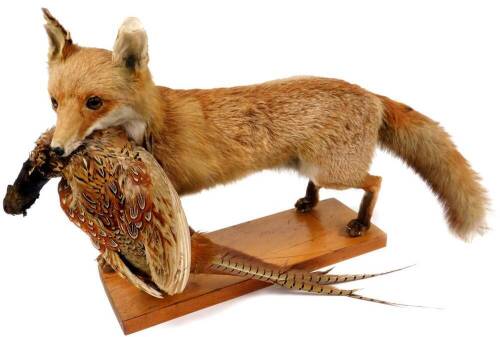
310,241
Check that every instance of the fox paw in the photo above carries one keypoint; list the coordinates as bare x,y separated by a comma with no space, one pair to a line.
304,205
356,228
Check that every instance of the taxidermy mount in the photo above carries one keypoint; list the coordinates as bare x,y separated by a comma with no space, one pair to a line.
116,192
326,129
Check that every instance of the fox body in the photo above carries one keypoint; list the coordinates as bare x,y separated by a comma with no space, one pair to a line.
324,128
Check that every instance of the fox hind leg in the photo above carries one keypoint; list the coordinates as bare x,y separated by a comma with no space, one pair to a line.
371,185
310,200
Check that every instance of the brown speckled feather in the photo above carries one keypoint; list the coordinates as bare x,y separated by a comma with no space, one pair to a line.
107,191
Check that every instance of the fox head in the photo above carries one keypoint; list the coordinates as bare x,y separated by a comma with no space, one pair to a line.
92,89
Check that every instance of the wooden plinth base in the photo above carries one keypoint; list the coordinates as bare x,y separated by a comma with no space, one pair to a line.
310,241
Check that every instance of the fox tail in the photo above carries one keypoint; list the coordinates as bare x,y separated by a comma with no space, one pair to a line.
428,149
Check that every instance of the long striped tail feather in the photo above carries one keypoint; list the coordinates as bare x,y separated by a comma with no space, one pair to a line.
310,282
325,278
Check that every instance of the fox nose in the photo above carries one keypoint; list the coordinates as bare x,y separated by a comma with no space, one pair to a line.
58,150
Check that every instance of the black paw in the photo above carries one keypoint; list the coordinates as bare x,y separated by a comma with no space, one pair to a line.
356,228
304,205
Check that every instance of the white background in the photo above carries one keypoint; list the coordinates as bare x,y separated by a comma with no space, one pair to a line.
442,58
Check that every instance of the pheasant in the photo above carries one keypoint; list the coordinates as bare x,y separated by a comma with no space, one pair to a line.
117,193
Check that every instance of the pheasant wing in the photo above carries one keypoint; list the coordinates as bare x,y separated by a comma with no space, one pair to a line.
151,203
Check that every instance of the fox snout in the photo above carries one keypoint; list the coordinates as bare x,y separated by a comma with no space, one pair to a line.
66,136
64,149
71,126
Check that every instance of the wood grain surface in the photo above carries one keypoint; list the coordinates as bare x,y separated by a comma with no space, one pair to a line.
310,241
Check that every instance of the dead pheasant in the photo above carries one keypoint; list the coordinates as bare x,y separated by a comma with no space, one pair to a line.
121,198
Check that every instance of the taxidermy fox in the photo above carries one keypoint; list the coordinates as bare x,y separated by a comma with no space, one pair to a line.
326,129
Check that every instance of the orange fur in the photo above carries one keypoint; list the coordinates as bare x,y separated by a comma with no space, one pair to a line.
428,149
326,129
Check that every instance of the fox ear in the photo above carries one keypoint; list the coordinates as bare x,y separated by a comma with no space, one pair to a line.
131,45
60,42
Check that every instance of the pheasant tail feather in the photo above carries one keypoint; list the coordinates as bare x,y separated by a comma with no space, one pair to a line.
311,282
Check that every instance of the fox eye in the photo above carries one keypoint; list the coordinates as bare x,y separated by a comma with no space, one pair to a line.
94,103
54,103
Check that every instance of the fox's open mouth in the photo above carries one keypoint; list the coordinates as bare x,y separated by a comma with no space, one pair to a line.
72,149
